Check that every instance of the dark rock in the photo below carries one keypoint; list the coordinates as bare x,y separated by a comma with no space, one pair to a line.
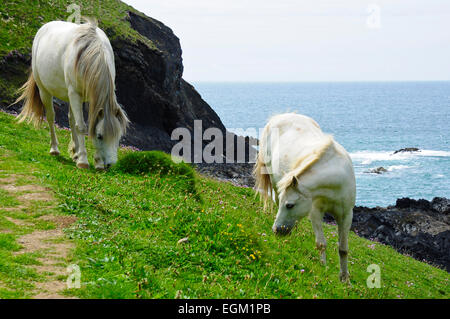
441,204
14,69
239,174
151,88
378,170
408,203
407,149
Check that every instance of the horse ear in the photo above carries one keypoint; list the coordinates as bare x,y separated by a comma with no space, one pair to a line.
294,181
122,117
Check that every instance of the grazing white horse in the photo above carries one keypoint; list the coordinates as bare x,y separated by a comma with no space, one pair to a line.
75,63
309,174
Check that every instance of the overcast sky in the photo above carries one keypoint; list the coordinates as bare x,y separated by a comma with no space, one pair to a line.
308,40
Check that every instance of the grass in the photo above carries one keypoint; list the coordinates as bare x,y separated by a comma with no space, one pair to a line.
16,278
20,20
131,218
6,200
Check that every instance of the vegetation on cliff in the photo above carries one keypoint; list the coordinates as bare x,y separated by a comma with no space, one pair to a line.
21,19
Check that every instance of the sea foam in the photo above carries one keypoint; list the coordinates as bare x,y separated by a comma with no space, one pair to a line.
367,157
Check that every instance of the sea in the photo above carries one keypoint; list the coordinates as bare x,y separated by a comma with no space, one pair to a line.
370,119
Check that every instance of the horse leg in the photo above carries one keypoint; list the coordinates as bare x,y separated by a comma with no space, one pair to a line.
321,243
76,106
344,225
275,191
73,145
47,100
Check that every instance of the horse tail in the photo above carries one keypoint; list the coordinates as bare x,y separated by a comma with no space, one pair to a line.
33,108
263,183
98,84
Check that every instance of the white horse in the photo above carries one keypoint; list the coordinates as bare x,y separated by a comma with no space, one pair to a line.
309,174
75,63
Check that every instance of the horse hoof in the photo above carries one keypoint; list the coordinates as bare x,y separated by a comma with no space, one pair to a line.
323,259
54,153
344,277
83,165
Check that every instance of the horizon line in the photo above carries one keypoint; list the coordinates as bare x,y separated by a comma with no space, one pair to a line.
313,81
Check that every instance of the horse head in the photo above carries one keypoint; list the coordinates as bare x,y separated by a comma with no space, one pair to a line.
108,129
295,203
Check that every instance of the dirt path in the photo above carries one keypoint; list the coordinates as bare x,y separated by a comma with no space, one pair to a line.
50,243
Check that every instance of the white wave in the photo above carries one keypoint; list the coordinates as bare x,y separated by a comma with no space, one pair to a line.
397,167
367,157
431,153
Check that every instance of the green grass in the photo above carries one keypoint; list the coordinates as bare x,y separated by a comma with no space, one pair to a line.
20,20
131,218
16,278
6,200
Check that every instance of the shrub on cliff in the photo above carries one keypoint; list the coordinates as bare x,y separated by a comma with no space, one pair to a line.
156,163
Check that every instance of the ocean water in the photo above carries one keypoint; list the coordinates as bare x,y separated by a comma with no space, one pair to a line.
370,119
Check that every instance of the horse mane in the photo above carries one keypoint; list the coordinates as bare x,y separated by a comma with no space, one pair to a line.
263,183
304,163
98,84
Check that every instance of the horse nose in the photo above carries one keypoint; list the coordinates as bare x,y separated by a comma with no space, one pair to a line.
107,166
281,230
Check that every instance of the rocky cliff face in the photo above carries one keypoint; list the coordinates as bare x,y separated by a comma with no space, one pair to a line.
149,84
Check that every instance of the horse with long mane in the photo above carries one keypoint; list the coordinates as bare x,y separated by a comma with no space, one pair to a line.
308,174
75,63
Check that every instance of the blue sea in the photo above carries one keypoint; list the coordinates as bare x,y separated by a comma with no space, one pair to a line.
370,119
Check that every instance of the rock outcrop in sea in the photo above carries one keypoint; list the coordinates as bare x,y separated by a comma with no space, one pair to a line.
378,170
407,150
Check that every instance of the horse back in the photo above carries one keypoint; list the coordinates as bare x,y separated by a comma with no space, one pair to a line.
55,53
302,148
49,53
288,137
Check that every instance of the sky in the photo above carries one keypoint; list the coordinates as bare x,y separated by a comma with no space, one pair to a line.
308,40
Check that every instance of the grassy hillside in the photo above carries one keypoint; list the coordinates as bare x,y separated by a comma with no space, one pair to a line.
21,19
130,219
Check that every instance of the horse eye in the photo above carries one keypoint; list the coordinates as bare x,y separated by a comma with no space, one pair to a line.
289,206
100,137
